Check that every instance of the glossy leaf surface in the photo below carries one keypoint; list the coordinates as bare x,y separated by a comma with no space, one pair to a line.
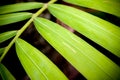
100,31
108,6
36,64
19,7
14,17
5,74
87,60
7,35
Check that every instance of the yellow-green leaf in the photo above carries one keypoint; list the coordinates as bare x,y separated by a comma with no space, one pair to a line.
108,6
86,59
7,35
36,64
20,7
100,31
1,51
5,74
14,17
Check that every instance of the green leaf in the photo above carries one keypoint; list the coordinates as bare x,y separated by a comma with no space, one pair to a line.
7,35
86,59
20,7
1,51
36,64
108,6
14,17
5,74
100,31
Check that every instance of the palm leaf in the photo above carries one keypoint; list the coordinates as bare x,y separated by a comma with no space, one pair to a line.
100,31
7,35
5,74
14,17
37,65
108,6
19,7
1,51
87,60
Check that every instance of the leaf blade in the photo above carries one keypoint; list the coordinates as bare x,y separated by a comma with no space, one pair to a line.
5,74
81,55
7,35
41,67
20,7
14,17
1,51
94,28
101,5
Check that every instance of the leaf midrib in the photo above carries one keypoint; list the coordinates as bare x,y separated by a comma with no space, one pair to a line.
15,15
40,70
77,49
77,16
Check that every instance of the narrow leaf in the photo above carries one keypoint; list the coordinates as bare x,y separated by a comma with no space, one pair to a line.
7,35
19,7
86,59
5,74
1,51
100,31
108,6
14,17
36,64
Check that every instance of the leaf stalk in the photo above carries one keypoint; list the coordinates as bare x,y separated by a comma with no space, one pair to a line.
24,27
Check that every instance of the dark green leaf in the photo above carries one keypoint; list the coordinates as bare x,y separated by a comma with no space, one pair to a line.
19,7
14,17
5,74
100,31
36,64
86,59
108,6
7,35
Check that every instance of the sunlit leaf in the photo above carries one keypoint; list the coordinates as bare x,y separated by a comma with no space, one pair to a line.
108,6
1,51
7,35
14,17
86,59
5,74
19,7
100,31
36,64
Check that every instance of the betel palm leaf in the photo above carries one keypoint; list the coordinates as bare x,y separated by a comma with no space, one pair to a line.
19,7
1,51
91,63
7,35
14,17
100,31
5,74
37,65
108,6
81,55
